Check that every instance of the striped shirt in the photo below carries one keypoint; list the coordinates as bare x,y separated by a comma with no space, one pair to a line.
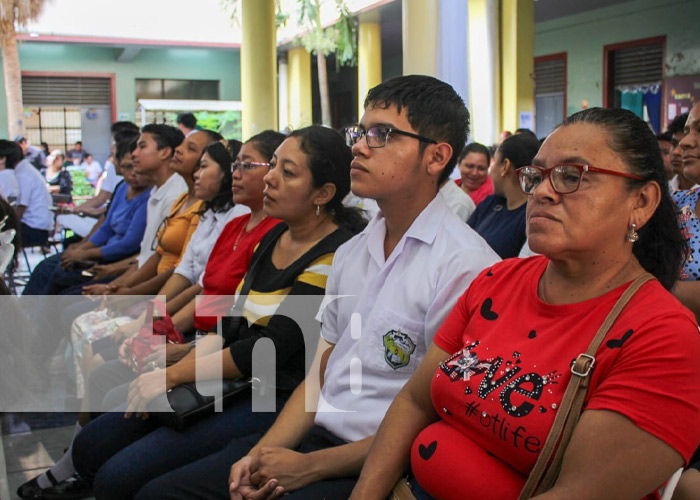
281,305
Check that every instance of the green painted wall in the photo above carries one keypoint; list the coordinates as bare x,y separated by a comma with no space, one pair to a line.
171,63
583,36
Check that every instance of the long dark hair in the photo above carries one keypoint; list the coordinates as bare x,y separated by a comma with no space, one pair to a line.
220,154
520,149
661,246
329,160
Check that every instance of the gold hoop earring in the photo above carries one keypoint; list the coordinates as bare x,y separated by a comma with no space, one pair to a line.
632,234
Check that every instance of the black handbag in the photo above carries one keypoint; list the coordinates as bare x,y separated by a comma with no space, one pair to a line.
183,405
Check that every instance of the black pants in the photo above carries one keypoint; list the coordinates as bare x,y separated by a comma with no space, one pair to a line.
32,237
208,477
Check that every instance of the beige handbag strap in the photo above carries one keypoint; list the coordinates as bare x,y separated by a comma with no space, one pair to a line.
546,468
401,491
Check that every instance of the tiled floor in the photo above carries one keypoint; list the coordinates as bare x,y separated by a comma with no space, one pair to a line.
32,443
31,453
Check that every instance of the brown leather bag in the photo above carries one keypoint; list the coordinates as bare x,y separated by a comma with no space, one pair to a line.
545,472
546,469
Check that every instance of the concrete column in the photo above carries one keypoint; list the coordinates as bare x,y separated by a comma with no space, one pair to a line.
369,61
258,66
419,33
299,88
484,70
282,93
517,63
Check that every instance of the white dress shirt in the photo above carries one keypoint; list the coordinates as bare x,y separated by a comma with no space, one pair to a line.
111,179
202,241
459,202
400,303
8,184
159,205
34,195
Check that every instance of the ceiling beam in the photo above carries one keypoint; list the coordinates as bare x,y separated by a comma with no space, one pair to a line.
128,54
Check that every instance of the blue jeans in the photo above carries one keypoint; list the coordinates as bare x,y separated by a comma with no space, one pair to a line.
122,455
42,275
208,478
49,278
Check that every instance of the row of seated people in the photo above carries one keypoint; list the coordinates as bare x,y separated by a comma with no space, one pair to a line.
31,190
463,385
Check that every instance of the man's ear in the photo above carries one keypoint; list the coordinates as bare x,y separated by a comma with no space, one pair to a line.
165,153
438,156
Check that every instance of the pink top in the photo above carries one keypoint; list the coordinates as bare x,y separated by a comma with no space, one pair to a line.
482,192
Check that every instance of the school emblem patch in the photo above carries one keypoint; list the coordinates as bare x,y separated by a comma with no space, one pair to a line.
398,348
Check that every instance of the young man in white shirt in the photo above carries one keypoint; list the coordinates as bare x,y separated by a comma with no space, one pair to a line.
152,156
398,279
33,199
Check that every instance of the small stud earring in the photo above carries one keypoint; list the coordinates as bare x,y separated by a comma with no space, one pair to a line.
632,234
318,210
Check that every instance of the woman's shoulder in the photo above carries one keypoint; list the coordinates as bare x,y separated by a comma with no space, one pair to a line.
653,302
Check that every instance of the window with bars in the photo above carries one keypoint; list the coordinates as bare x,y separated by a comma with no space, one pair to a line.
550,92
53,105
58,127
634,78
177,89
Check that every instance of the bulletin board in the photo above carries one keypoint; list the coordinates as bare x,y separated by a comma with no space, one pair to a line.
682,92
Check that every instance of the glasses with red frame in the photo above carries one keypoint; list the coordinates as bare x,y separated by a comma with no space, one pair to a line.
565,179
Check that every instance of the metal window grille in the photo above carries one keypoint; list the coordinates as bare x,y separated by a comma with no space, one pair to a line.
640,65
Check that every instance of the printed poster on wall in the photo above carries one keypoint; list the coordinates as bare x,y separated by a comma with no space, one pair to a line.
682,92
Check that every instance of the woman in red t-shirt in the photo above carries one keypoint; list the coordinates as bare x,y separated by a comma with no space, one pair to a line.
476,414
231,254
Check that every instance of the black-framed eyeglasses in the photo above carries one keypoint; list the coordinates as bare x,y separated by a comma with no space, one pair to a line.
377,136
158,236
565,179
245,166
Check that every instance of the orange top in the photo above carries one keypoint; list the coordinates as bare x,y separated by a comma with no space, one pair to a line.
175,232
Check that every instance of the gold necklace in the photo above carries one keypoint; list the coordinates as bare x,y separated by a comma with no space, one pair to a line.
244,232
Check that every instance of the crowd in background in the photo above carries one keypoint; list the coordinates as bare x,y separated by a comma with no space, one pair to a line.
475,296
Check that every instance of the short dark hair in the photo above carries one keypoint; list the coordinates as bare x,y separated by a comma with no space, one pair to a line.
525,131
433,107
125,144
164,135
661,246
520,149
123,126
329,158
187,119
12,152
475,147
266,142
211,135
678,123
78,142
666,137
